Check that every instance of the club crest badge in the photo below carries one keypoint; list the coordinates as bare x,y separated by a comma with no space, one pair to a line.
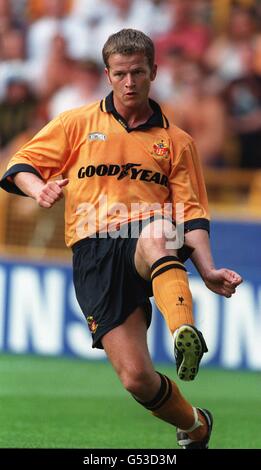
160,149
92,324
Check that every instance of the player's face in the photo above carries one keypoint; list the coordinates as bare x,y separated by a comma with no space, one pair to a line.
130,77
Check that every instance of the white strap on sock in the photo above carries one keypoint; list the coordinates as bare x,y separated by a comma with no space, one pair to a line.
196,424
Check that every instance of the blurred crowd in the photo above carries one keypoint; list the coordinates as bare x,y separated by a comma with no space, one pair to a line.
209,76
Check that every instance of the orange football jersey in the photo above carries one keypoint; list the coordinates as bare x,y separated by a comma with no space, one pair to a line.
116,174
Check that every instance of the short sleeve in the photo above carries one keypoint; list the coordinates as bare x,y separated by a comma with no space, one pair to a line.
187,186
44,155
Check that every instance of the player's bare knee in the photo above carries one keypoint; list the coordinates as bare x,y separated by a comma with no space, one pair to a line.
154,241
134,380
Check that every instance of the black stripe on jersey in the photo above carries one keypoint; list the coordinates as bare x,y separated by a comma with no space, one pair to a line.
8,184
195,224
101,106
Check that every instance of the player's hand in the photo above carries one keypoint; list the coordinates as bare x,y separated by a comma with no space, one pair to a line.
223,281
51,192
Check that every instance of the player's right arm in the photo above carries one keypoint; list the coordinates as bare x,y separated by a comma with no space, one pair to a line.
36,168
45,194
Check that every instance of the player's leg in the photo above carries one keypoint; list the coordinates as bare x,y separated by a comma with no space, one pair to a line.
127,350
155,261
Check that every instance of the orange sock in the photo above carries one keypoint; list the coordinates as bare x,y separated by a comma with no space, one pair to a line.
170,406
171,292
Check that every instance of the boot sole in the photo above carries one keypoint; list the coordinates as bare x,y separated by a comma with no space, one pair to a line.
188,343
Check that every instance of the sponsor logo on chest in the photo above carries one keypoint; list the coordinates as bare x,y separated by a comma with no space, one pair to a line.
133,171
93,136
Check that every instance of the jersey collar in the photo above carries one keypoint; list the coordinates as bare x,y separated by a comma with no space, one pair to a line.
157,119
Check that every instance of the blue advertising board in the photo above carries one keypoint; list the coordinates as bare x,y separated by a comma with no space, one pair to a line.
39,313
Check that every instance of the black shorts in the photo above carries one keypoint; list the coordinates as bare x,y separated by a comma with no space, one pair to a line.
107,284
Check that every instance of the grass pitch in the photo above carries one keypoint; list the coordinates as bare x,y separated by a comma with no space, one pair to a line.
70,403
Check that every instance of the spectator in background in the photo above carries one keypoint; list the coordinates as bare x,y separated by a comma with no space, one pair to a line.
243,100
169,85
13,45
13,57
8,18
227,54
57,72
199,110
186,32
5,16
85,87
55,21
17,109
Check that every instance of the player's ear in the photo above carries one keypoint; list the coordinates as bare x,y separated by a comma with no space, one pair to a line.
153,72
107,72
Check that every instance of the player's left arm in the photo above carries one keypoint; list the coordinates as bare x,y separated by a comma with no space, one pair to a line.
221,281
188,187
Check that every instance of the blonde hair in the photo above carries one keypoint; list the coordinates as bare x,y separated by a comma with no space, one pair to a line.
128,42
